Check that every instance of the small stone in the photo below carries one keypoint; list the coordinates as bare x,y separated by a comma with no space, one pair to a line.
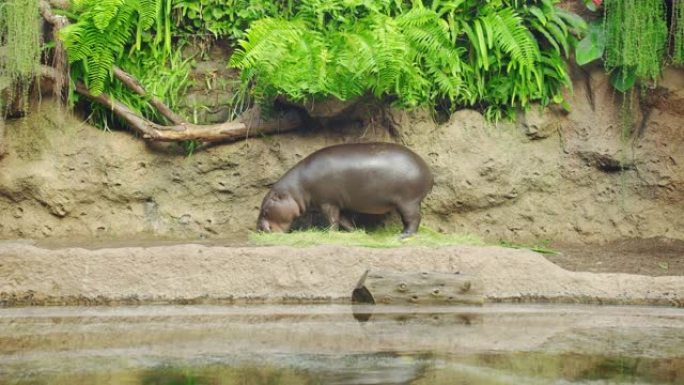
185,219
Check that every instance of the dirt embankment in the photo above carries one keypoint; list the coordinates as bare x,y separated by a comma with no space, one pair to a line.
572,177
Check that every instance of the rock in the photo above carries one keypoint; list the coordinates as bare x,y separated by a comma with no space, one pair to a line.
539,123
606,162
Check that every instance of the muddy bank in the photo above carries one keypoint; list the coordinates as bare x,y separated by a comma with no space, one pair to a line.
652,256
211,274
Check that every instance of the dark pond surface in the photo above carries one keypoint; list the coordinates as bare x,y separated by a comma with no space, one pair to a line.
327,344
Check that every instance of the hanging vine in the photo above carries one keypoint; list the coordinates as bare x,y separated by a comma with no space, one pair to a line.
636,36
678,32
21,42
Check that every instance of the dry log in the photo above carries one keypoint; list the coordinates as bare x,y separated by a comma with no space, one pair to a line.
388,287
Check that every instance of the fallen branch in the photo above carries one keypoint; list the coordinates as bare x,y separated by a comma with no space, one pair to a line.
45,8
59,59
134,85
249,124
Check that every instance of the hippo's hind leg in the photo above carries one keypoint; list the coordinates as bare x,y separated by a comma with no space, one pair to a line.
410,217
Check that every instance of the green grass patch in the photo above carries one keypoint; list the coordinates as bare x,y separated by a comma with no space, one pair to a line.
384,237
381,238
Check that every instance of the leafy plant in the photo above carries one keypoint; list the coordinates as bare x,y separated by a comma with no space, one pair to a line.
497,55
135,36
162,75
592,46
225,18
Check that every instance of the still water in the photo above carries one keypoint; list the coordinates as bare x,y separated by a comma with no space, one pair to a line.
335,344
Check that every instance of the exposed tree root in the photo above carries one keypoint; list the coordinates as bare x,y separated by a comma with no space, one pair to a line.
250,123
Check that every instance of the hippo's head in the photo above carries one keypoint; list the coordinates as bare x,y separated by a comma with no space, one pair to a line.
278,210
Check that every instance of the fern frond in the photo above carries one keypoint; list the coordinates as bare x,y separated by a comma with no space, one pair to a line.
429,35
267,39
391,55
542,30
511,36
104,11
560,35
285,54
147,11
101,33
356,52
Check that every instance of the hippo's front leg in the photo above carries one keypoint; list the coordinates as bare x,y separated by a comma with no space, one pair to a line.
332,213
346,223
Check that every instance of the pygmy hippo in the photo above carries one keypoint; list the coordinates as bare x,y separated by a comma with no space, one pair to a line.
370,178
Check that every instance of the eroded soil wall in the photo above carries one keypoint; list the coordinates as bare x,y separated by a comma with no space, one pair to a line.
575,177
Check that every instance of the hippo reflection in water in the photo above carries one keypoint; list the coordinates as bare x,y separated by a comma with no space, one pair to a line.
369,178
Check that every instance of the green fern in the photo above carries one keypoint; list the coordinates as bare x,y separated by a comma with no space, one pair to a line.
428,36
103,30
135,36
378,53
513,38
431,52
147,12
104,11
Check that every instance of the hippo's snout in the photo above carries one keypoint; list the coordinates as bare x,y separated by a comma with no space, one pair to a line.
263,225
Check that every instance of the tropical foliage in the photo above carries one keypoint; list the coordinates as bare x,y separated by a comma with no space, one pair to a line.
225,18
133,35
104,29
497,55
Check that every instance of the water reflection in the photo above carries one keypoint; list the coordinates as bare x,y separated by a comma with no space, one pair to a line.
326,345
386,369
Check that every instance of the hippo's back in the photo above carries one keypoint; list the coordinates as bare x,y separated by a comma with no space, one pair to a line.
366,177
